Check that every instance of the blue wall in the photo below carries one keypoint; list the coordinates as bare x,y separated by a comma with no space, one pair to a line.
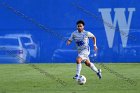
50,22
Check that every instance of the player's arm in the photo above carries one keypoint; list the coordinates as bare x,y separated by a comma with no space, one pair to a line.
69,40
94,43
90,35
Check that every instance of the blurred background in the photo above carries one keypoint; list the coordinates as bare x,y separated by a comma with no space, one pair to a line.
35,31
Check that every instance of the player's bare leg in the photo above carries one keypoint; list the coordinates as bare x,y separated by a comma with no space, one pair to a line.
78,68
92,66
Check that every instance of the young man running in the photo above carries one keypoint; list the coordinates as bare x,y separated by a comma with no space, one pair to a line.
81,38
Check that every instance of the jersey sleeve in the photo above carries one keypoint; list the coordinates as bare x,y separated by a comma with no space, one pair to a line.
71,37
90,35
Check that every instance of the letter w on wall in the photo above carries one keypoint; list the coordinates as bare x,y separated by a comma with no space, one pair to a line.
123,23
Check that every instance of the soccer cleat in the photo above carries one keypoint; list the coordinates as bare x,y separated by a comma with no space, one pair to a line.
99,74
76,76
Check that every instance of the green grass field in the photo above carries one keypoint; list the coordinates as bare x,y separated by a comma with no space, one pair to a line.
24,78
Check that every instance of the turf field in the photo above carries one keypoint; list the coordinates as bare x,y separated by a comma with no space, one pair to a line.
57,78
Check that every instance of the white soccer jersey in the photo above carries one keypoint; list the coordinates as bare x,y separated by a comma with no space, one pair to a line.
81,39
82,43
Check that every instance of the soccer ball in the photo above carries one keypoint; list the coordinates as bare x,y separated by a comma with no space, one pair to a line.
82,80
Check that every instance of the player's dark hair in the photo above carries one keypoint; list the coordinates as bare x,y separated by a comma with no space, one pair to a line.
80,22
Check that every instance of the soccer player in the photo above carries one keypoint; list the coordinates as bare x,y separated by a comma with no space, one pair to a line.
81,38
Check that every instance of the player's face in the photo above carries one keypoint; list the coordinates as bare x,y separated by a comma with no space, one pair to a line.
80,27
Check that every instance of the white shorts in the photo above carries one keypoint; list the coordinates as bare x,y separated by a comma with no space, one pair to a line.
84,54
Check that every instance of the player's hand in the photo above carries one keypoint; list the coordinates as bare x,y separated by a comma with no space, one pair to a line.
95,48
68,42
